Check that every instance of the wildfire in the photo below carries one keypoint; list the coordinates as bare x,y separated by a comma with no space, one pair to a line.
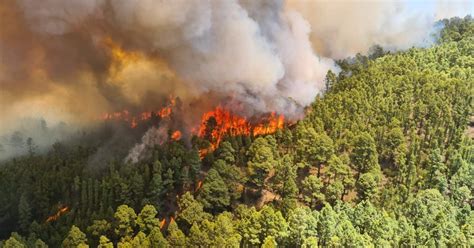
118,53
272,125
198,186
176,135
171,219
61,211
134,120
120,57
162,223
216,124
225,123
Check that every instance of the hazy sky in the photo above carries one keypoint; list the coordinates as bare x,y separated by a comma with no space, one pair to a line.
441,9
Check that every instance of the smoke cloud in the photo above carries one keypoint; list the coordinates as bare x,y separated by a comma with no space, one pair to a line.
344,28
71,60
153,137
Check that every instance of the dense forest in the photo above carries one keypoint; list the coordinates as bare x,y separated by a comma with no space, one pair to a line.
382,159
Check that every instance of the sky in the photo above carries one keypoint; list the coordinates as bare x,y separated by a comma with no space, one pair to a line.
442,9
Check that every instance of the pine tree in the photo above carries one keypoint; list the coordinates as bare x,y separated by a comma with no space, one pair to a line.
12,242
104,242
261,161
175,237
24,213
75,238
147,219
194,163
311,189
273,224
364,156
125,218
191,211
214,193
156,238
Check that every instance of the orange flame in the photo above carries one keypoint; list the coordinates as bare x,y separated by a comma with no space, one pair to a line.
119,55
204,151
134,123
58,214
215,124
274,123
198,186
162,223
134,120
176,135
227,123
164,112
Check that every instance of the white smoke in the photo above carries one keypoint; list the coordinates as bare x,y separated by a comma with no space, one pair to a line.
217,46
153,137
344,28
58,17
269,54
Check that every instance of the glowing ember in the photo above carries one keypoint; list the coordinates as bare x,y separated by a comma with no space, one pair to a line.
216,124
176,135
58,214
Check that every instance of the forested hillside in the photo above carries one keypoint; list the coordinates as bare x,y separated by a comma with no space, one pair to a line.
382,159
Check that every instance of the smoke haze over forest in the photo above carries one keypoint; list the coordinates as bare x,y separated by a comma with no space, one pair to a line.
71,61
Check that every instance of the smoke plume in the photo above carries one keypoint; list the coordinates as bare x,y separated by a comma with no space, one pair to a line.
344,28
153,137
72,60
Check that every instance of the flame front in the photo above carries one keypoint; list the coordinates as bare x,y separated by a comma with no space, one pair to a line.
272,125
216,124
225,124
134,120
